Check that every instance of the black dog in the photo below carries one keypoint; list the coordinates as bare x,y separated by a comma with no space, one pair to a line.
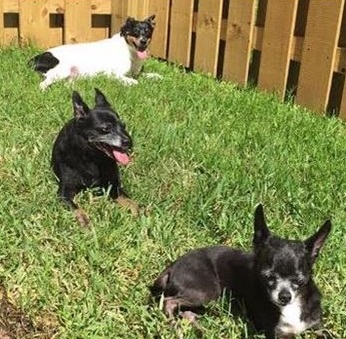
87,150
274,282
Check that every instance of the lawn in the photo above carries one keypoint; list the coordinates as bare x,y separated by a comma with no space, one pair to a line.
206,153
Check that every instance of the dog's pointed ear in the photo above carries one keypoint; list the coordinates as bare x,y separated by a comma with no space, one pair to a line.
124,30
150,20
80,108
100,99
129,19
316,241
260,227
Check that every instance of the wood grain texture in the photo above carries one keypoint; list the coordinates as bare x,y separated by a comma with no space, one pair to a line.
277,44
319,50
77,21
208,36
181,32
34,22
239,40
158,45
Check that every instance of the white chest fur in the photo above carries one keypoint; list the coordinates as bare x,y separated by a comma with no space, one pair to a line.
290,320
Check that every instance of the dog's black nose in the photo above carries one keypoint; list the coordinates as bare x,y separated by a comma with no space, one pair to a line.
285,296
143,41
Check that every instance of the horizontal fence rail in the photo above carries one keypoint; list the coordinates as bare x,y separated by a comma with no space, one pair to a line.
294,48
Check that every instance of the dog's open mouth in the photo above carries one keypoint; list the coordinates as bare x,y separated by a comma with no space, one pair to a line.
142,52
113,152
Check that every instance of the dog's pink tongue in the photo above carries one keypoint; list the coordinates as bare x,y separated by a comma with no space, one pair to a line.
123,158
142,55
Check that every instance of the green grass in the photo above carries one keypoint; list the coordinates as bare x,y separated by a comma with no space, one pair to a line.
206,153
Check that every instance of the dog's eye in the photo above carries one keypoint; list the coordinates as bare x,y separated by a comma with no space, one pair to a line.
271,280
296,282
105,129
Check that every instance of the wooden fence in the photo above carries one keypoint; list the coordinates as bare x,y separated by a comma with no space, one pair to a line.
290,47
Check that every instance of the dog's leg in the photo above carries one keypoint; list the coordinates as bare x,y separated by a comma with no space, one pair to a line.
127,80
66,195
82,217
55,74
124,201
155,76
323,334
120,196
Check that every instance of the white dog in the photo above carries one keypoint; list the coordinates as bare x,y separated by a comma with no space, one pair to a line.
121,56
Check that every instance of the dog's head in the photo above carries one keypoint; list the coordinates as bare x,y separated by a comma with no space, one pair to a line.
284,267
138,35
102,127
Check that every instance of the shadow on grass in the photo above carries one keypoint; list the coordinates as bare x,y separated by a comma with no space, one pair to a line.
14,323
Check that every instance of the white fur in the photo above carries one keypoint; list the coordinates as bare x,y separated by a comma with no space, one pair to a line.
282,284
112,57
290,320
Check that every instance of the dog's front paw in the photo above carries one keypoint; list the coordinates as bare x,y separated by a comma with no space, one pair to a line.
155,76
128,203
129,81
82,217
43,85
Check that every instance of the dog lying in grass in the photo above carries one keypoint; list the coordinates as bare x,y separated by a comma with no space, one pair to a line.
274,282
87,151
120,57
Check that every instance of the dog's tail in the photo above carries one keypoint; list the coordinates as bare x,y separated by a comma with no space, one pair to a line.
43,62
160,284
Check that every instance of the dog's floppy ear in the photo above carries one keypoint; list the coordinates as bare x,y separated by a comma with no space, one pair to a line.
316,241
81,109
260,227
100,99
151,19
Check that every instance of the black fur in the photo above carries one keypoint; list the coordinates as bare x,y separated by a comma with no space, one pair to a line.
43,62
205,274
82,153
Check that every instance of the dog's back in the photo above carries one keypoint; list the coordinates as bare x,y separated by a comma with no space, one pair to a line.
202,275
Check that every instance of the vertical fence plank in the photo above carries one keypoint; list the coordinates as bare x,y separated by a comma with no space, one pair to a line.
77,21
138,8
277,43
180,34
122,9
319,48
161,10
34,22
208,36
119,10
238,40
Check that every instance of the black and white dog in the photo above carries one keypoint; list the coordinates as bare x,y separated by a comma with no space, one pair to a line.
274,281
121,56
